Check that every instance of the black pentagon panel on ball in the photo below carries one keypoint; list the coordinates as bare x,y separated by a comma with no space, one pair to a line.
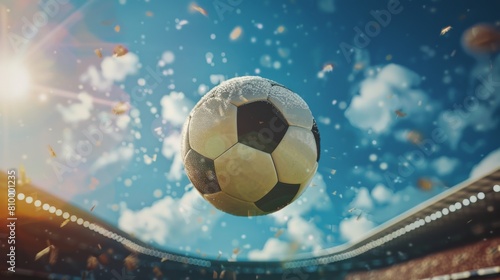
261,126
280,196
315,132
201,172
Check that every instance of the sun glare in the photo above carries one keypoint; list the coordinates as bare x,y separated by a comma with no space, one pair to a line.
14,80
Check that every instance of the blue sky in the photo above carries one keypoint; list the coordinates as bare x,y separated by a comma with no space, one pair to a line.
375,163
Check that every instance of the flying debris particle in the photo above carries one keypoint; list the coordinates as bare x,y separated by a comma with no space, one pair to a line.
333,171
424,184
43,252
23,179
359,216
54,252
164,259
222,274
236,33
358,66
469,221
328,67
92,263
334,192
98,53
149,14
453,53
93,183
181,23
119,50
236,251
193,7
280,29
388,57
117,28
131,262
157,272
65,222
214,275
52,152
120,108
92,208
279,233
414,137
99,246
352,209
445,30
400,113
154,157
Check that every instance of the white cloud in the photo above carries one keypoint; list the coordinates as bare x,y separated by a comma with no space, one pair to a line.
488,164
169,220
120,154
324,120
77,112
478,110
362,200
176,108
381,94
445,165
273,249
354,228
306,233
381,194
113,69
171,150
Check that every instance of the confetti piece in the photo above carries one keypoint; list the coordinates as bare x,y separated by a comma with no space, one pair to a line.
334,193
117,28
92,208
445,30
119,50
222,274
149,14
280,29
54,252
358,66
400,113
52,152
236,251
236,33
333,171
131,262
414,137
359,216
352,209
157,272
181,23
154,157
99,246
214,275
328,67
424,184
92,263
42,253
195,8
120,108
65,222
279,233
164,259
98,53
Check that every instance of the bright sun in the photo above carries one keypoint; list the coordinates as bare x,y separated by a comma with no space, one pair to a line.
14,80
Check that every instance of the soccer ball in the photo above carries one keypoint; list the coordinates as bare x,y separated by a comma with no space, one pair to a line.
250,146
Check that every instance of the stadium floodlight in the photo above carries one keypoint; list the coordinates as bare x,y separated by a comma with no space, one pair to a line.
473,199
481,195
496,188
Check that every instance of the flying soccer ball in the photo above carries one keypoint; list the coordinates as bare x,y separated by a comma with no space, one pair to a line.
250,146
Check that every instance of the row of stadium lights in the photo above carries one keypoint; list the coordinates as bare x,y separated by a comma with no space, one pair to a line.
204,263
111,235
395,234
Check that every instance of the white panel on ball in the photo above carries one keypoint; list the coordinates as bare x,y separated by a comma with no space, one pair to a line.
306,183
295,156
292,106
245,173
212,129
244,90
234,206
